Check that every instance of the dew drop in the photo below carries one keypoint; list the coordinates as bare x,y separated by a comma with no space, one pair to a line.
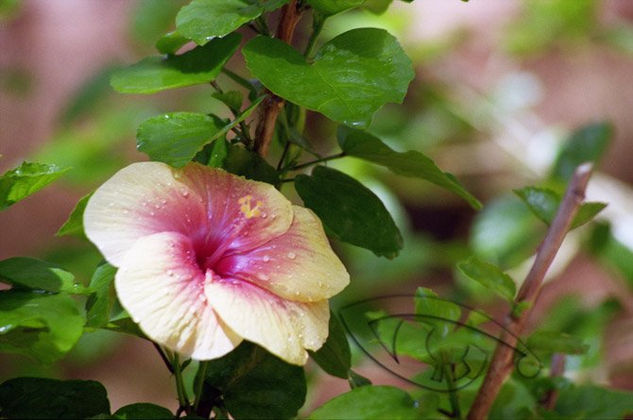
170,273
266,258
292,255
263,277
163,201
151,213
264,215
184,193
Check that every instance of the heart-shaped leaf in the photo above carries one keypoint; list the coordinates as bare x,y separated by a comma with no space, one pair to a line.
200,65
351,76
202,20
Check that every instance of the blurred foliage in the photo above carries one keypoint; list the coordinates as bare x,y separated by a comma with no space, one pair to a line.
95,136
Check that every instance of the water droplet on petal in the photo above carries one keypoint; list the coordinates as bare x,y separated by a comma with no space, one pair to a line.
170,273
264,215
292,255
151,213
163,201
184,193
266,258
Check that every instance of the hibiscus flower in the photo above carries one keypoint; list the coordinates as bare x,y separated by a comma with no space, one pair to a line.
206,259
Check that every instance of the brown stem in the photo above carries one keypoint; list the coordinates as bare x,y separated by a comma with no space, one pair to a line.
272,106
501,364
557,369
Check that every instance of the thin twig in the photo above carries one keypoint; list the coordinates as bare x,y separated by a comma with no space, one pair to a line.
501,364
314,162
164,358
273,104
556,370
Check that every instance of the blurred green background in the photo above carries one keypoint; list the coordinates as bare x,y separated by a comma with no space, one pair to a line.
500,87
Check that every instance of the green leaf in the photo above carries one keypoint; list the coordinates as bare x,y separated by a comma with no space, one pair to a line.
332,7
377,7
365,146
593,402
351,76
203,20
611,251
170,43
26,179
349,210
428,303
75,223
505,232
151,18
175,138
42,326
334,356
243,162
42,398
356,380
100,303
143,411
29,273
544,204
232,99
256,384
88,96
587,144
556,342
369,402
218,152
489,276
513,402
200,65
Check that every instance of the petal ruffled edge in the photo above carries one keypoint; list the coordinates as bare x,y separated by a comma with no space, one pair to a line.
285,328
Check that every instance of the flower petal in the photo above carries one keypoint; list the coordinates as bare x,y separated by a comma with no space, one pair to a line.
284,328
141,199
162,288
243,214
298,265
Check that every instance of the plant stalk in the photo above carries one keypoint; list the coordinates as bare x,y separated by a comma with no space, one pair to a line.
273,104
501,364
